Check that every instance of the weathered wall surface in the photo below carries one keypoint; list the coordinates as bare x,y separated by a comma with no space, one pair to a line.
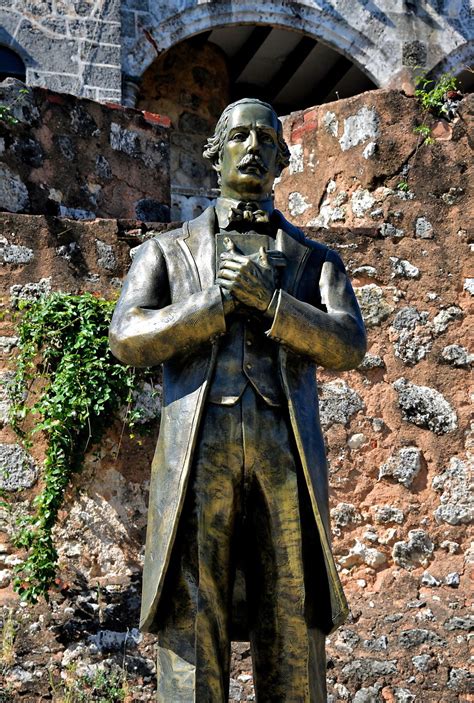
80,159
386,39
190,85
71,46
88,47
397,428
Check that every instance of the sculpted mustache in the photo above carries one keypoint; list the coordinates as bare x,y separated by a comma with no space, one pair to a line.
253,159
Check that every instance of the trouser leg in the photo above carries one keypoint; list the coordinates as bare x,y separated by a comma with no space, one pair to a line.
193,638
289,658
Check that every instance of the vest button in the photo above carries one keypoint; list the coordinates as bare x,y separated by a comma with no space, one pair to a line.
248,342
248,366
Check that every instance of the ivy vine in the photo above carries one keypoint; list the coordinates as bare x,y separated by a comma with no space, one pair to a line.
76,388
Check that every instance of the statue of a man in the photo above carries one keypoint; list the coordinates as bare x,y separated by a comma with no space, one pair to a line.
240,308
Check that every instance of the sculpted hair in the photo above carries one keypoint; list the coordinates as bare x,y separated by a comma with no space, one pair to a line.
214,145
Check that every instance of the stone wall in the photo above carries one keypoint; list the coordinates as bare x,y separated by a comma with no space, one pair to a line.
386,39
98,48
80,159
71,46
189,84
397,428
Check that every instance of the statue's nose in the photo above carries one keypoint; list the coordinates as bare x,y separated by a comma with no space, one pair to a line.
253,143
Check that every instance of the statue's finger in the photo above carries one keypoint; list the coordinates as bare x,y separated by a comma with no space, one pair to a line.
223,283
228,274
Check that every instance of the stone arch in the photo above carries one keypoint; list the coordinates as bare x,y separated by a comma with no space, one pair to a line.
11,63
374,57
457,62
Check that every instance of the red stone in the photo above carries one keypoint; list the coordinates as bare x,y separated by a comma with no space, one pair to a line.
152,117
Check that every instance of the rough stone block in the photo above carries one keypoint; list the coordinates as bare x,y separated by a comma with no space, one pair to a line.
457,494
338,403
416,550
17,468
425,407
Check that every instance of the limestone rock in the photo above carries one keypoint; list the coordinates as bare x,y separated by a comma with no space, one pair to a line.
105,255
147,401
403,466
5,379
457,495
112,641
296,164
361,554
425,407
424,662
386,514
412,336
389,231
7,344
337,403
445,318
30,291
297,204
18,470
331,123
416,550
361,201
429,580
371,361
363,669
13,192
401,268
15,253
460,680
423,228
373,305
370,694
456,355
345,514
469,285
416,637
359,128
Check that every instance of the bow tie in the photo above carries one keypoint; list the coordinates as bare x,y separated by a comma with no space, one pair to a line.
248,215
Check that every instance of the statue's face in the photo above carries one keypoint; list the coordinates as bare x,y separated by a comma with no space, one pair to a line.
248,161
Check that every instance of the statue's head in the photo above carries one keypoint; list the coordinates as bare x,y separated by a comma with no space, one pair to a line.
247,150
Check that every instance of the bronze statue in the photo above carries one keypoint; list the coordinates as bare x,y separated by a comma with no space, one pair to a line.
239,307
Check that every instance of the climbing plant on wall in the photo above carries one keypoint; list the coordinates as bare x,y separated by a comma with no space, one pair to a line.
68,386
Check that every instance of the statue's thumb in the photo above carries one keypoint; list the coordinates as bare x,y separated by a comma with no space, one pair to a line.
263,258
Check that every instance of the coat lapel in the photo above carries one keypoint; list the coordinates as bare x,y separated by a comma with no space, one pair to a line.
199,247
288,241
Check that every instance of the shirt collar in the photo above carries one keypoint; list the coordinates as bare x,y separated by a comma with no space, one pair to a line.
224,205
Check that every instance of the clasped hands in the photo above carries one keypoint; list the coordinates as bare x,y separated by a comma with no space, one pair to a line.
249,280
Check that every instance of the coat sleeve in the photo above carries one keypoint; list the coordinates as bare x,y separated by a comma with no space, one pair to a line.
334,339
147,328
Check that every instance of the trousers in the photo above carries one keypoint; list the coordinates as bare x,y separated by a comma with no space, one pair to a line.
241,516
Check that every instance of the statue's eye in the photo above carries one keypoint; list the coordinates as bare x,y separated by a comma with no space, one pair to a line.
239,136
266,138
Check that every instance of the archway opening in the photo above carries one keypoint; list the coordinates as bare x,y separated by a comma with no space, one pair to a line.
195,79
11,65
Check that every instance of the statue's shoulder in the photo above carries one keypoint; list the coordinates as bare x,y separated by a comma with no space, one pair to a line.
168,236
298,234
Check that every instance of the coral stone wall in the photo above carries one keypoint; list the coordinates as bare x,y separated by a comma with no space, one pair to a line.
80,159
397,428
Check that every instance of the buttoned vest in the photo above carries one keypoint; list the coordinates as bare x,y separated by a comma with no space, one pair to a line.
246,355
